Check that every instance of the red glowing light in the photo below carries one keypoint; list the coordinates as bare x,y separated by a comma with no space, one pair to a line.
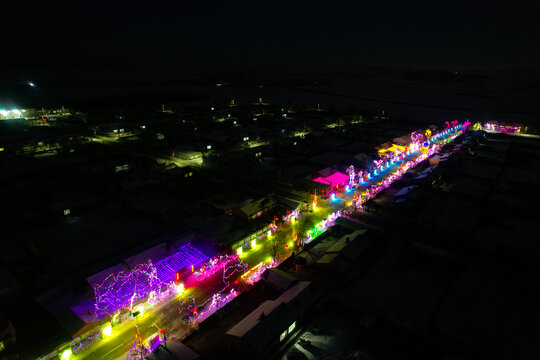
236,281
162,331
195,310
286,245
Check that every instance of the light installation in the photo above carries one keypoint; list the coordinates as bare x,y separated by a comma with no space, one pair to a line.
124,289
507,129
321,227
215,265
427,151
351,175
195,313
254,274
186,256
428,144
121,290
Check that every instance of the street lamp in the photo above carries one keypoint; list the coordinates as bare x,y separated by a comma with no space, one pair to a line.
162,332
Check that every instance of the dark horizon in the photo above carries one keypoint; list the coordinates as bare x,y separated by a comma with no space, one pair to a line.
216,36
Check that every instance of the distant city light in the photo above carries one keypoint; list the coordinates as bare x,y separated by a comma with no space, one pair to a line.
31,84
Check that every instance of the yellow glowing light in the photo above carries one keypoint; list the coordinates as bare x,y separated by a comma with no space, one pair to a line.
349,203
180,288
253,244
239,251
293,218
394,148
66,354
269,260
269,234
107,331
140,309
314,206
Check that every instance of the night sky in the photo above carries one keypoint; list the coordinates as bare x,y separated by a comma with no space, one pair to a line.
235,34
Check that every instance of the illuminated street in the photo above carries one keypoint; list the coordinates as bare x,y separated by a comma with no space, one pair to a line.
165,315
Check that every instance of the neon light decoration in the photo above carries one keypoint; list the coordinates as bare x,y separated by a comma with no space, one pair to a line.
215,265
125,288
502,128
121,290
186,256
374,189
254,274
293,215
321,227
351,175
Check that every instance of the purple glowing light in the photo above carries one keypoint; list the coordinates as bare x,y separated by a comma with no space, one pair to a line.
124,289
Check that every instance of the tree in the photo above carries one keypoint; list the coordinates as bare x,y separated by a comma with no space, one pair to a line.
276,243
302,228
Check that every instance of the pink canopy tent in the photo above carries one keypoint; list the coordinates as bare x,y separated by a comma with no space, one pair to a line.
336,178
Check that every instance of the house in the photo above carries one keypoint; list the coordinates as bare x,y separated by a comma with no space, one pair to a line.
274,320
172,350
252,209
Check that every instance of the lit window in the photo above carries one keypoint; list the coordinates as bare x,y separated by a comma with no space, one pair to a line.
291,328
283,335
